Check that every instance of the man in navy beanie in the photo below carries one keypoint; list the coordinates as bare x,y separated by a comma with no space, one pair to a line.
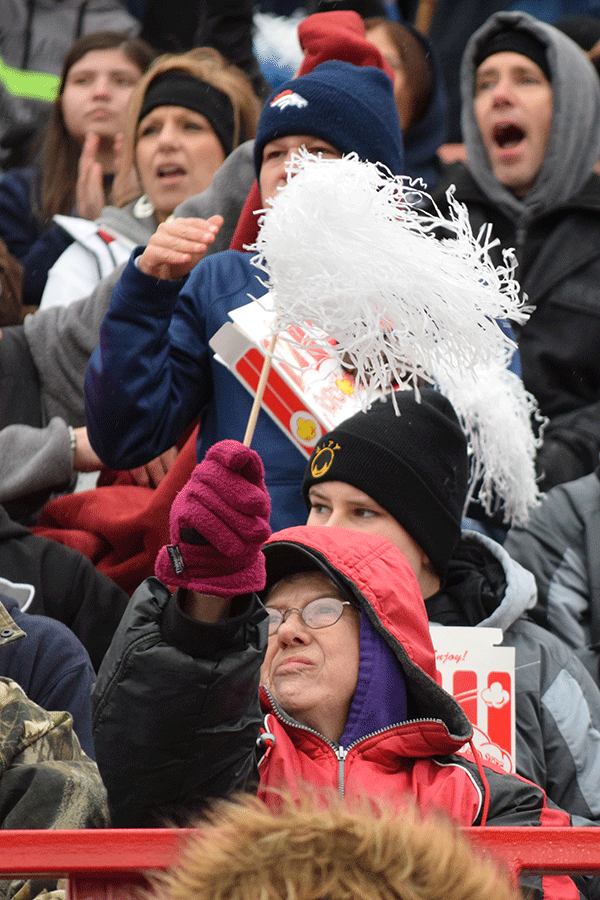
405,477
154,371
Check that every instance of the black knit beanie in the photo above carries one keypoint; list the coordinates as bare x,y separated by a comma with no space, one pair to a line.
514,40
414,465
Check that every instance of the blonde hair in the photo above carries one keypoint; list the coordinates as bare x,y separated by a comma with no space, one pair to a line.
205,64
306,851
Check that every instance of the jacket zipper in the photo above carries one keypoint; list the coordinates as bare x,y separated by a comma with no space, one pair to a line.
340,752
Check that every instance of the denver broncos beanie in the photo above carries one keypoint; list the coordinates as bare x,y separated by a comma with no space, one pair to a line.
414,465
350,107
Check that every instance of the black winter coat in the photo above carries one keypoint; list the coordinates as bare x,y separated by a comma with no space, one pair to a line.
559,270
49,579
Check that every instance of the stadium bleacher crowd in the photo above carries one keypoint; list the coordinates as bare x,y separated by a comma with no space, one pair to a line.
193,608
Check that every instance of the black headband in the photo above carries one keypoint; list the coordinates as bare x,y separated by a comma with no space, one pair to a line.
514,40
181,89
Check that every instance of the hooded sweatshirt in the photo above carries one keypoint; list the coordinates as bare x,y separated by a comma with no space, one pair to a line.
555,232
574,141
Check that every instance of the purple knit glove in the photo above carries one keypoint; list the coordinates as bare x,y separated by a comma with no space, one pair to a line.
218,524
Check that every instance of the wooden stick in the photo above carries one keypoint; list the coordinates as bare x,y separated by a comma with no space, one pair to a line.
262,383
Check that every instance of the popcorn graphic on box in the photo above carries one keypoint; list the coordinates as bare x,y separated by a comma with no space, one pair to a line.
307,392
480,675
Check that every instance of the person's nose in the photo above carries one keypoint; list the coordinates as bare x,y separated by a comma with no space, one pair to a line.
285,164
101,86
335,518
293,629
168,136
503,93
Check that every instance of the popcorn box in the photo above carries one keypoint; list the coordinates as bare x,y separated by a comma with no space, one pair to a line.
307,392
480,675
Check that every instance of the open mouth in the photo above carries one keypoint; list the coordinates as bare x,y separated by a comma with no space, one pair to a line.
507,136
170,170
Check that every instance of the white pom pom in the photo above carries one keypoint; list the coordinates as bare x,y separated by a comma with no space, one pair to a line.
346,249
496,412
354,255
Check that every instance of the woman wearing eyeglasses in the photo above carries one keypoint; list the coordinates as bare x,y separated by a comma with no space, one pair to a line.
305,660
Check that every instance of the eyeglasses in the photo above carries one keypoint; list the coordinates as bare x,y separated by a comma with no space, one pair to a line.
319,613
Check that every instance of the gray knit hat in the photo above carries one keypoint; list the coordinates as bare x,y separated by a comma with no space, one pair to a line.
414,465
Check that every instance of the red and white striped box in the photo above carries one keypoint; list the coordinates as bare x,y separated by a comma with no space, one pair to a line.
307,392
480,675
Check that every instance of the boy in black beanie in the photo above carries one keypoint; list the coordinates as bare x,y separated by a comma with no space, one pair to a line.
393,460
405,477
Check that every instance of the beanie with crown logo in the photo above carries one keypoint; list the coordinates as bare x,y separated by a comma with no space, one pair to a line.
414,465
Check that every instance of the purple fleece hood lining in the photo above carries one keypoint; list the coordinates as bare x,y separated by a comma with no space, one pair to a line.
380,696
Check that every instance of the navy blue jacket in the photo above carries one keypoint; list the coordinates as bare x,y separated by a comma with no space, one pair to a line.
36,246
50,664
154,373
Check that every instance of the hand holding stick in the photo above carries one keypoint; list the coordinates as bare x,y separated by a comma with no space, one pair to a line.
218,524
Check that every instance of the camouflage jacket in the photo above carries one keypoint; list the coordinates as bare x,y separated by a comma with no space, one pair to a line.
46,780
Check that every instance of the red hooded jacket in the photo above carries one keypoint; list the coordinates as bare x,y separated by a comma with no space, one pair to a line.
180,699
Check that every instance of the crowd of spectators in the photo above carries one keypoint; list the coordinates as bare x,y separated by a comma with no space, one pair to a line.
185,620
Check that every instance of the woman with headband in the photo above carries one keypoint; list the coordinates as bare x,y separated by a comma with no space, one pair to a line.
185,118
171,150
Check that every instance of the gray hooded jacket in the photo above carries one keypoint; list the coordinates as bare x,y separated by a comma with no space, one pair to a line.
574,141
60,341
560,545
555,231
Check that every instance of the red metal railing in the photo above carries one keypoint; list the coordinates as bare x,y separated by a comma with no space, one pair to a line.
107,864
